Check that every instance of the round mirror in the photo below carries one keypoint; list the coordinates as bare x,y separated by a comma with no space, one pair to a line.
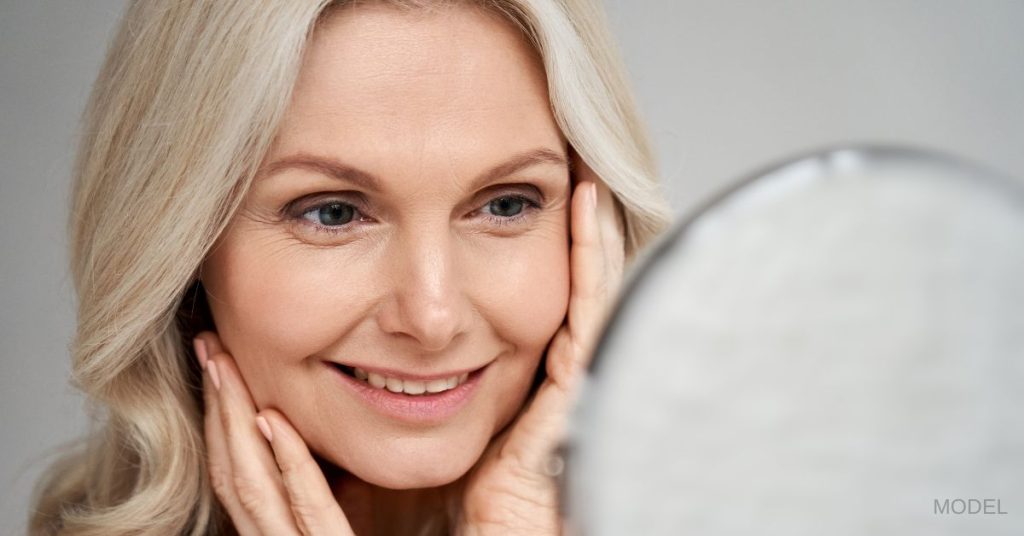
835,346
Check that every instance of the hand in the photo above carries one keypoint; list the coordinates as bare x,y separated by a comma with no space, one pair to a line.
260,468
511,490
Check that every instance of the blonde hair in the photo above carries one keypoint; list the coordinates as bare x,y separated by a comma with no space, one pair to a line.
182,112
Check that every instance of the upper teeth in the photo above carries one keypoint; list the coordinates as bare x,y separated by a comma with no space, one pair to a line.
410,387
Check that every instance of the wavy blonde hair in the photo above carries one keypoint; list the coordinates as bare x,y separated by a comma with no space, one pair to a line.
183,110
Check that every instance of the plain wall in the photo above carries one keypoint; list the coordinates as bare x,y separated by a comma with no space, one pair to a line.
726,87
50,52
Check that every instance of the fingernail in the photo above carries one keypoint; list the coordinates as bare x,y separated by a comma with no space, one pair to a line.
200,346
264,427
592,196
211,367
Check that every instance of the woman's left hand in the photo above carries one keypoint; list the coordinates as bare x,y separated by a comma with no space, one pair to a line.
512,489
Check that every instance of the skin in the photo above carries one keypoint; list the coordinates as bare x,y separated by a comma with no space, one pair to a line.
430,270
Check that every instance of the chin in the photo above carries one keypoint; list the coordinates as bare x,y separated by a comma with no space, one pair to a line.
415,474
404,481
410,463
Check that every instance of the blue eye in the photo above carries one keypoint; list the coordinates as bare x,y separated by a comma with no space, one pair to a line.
506,206
335,216
331,214
509,208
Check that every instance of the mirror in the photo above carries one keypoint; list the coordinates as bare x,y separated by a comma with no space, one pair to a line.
834,346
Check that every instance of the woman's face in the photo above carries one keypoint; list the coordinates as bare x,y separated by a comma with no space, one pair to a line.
410,220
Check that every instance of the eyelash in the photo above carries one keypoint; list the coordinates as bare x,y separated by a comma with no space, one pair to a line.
530,206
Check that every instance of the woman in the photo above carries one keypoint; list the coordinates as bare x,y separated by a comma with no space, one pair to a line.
339,265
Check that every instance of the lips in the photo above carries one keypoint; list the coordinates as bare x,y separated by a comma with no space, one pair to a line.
350,368
407,385
426,408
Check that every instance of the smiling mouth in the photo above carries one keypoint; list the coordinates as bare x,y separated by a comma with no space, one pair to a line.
406,386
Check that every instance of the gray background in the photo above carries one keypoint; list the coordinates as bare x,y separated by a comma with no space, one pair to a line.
726,87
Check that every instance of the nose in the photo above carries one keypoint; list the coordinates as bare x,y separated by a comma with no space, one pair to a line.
428,300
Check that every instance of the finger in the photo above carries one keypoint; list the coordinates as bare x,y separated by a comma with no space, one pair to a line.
611,228
588,284
211,345
218,462
313,505
542,424
255,479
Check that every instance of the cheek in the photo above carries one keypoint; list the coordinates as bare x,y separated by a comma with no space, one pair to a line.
273,308
522,287
527,293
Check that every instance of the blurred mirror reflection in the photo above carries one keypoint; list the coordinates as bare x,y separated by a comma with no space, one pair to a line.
834,346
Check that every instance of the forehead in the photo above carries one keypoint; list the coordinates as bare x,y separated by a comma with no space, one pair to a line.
384,86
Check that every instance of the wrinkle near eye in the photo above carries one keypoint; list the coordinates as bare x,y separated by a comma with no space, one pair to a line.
297,211
256,213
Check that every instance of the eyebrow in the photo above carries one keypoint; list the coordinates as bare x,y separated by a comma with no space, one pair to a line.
339,170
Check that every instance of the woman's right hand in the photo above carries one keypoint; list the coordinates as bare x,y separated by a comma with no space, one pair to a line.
260,468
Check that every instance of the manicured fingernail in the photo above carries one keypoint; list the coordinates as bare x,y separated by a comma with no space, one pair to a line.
264,427
211,367
592,195
200,346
